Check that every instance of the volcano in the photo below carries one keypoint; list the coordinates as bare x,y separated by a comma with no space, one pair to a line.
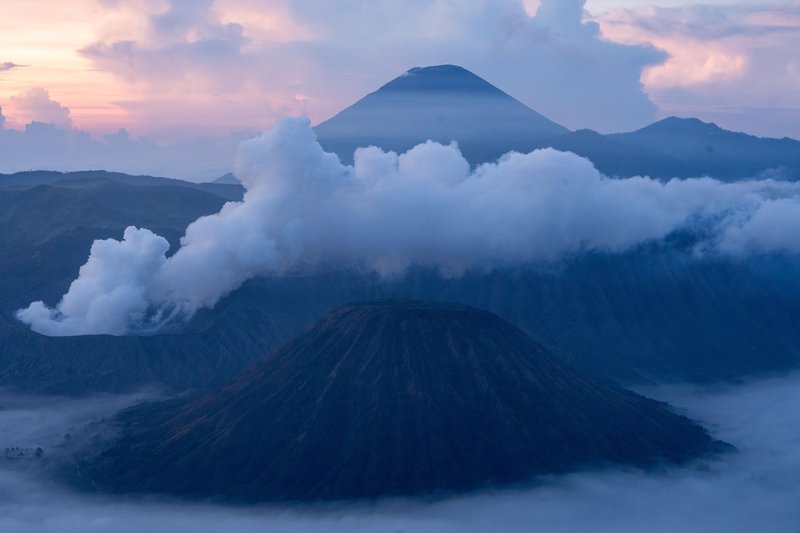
391,398
441,103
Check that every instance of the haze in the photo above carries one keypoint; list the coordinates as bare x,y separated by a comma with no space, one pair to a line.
749,491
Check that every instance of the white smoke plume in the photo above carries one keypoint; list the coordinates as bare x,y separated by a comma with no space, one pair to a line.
303,209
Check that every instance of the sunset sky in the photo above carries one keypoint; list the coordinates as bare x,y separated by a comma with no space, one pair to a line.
177,69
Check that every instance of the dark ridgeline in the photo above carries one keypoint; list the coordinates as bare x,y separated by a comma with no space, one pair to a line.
225,187
391,398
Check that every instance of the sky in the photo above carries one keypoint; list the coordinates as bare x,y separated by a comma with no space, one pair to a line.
173,71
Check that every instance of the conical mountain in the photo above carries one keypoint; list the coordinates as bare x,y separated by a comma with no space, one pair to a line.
392,398
442,103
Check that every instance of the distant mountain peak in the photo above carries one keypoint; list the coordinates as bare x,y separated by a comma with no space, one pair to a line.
439,70
227,179
446,68
675,124
442,103
444,78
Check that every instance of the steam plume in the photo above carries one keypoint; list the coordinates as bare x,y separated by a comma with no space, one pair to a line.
303,209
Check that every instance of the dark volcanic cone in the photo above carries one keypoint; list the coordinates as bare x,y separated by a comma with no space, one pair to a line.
392,398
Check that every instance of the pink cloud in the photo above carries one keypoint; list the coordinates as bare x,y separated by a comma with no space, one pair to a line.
35,105
184,58
8,65
736,64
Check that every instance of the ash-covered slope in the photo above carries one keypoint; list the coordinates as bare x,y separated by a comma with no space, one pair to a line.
391,398
442,103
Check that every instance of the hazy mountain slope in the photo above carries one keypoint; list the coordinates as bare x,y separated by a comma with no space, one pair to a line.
650,314
392,398
705,149
442,103
617,159
628,317
683,148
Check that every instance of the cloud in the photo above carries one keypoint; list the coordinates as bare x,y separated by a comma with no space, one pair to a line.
49,142
304,210
555,61
35,105
8,65
31,421
752,490
110,290
191,69
733,64
767,229
185,36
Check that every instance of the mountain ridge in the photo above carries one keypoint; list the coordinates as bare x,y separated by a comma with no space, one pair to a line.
32,178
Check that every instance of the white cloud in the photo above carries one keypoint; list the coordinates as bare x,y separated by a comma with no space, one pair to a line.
111,289
771,227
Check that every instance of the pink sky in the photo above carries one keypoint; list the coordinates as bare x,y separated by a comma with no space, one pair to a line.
178,68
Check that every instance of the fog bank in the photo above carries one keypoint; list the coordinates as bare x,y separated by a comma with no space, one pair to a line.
753,490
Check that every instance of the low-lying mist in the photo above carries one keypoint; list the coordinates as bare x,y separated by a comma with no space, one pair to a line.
304,210
752,490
